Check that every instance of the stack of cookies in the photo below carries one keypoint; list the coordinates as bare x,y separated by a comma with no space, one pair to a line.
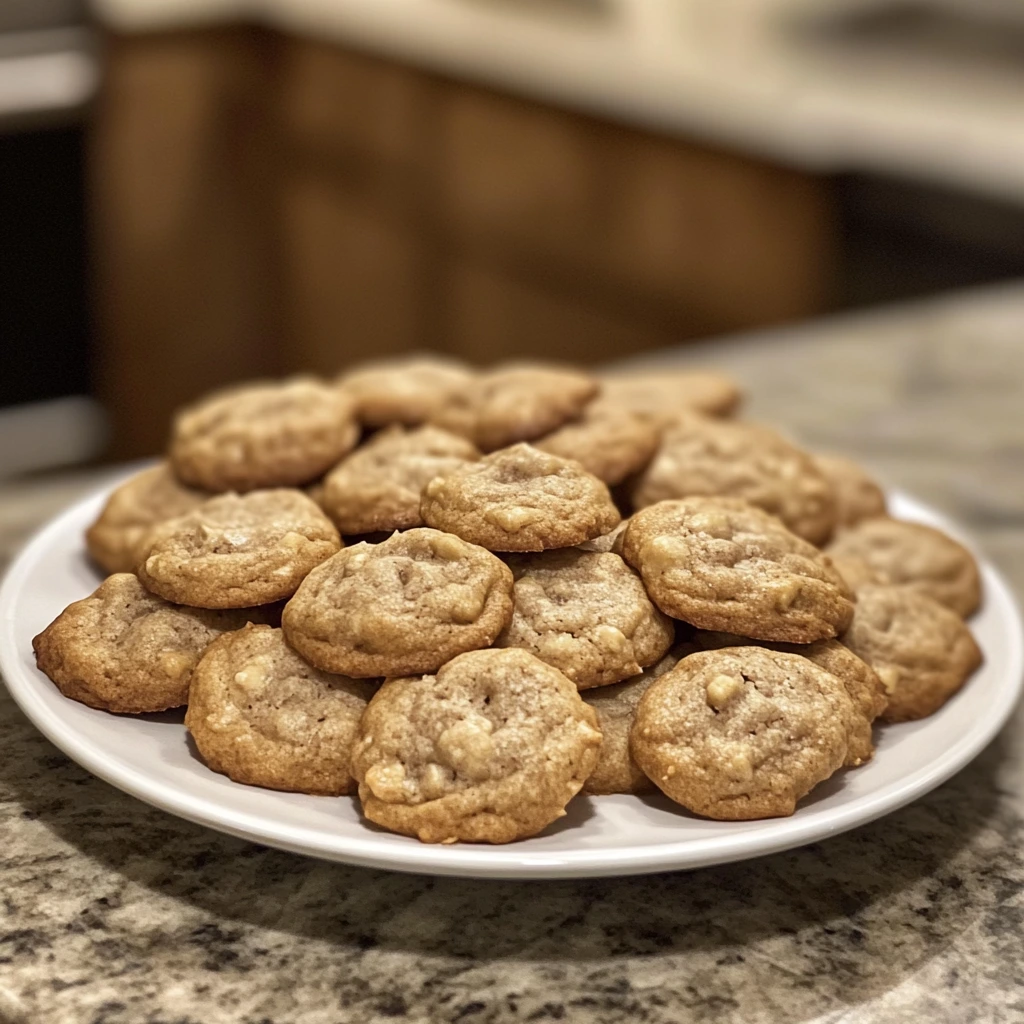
474,594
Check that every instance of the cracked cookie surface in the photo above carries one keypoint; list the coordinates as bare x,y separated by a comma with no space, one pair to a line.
126,650
667,393
704,457
861,681
914,557
518,402
921,650
263,716
274,434
586,613
521,499
721,564
405,391
741,733
490,749
378,486
404,606
133,508
615,706
235,551
608,441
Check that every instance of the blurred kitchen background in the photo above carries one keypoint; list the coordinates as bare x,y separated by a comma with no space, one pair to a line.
196,191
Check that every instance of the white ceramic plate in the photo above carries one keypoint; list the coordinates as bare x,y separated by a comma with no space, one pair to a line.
151,759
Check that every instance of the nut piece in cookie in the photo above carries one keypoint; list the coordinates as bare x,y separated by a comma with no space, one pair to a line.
611,541
261,715
615,706
587,614
860,679
124,649
263,435
921,650
667,394
520,499
518,402
235,551
404,606
406,391
699,456
488,750
150,497
721,564
378,486
857,495
914,557
608,441
741,733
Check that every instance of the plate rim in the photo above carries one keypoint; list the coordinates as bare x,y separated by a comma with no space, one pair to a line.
471,860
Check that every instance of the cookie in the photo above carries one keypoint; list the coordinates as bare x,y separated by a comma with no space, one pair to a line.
150,497
124,649
488,750
378,486
520,499
404,391
741,733
401,607
515,403
235,551
610,442
615,707
855,571
861,681
857,495
263,435
721,564
262,716
586,613
914,557
703,457
922,651
665,394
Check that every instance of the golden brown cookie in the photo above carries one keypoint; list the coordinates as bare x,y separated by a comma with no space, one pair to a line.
488,750
150,497
400,607
615,706
915,557
124,649
608,441
586,613
378,486
699,456
665,394
404,390
261,715
861,681
520,499
857,495
273,434
721,564
517,402
235,551
922,651
741,733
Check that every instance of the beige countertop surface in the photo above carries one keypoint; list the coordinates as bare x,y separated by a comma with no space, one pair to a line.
112,912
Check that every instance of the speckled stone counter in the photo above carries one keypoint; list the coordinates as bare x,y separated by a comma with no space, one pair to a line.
114,913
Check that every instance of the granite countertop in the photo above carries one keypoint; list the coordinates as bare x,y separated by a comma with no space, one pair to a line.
801,82
116,913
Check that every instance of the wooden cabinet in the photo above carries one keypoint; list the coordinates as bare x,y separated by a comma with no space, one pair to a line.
272,204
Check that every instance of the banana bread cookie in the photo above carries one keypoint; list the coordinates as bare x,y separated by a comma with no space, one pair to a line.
488,750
